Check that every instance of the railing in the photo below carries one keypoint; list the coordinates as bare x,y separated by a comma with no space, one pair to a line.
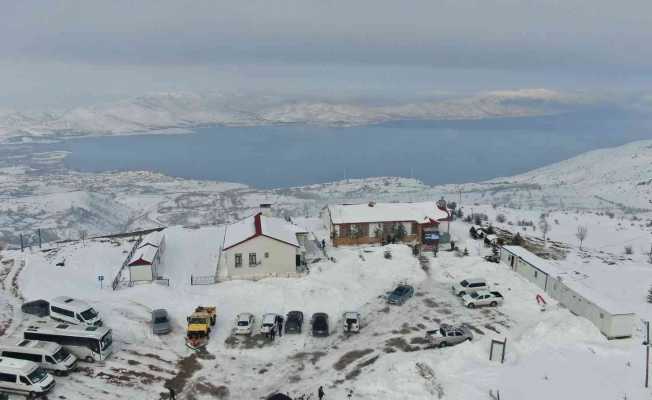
203,279
255,277
116,281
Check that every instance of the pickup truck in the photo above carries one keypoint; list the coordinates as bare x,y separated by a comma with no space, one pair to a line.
482,298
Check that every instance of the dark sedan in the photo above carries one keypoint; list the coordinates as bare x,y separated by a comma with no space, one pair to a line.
294,322
319,324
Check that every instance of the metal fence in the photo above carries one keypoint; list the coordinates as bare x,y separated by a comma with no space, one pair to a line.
203,279
116,281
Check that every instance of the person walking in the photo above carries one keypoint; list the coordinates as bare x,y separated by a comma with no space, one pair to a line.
320,392
172,394
323,244
273,333
279,325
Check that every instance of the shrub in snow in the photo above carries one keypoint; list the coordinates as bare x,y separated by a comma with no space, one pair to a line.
629,250
649,296
517,240
501,218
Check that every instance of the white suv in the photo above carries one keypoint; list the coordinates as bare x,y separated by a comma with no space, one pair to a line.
468,286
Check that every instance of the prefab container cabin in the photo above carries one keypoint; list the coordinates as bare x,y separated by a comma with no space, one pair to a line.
610,318
147,257
425,223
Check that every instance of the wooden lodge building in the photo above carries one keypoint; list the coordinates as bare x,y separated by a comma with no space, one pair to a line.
425,223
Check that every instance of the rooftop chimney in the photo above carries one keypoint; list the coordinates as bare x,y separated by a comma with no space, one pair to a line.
266,209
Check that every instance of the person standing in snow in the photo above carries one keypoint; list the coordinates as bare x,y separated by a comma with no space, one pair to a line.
320,392
323,244
279,324
272,332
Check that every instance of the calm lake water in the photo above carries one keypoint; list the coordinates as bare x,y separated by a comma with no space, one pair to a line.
436,151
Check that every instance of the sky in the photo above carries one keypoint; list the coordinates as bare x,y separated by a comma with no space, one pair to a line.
68,53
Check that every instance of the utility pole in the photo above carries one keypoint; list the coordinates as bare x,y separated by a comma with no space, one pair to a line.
39,238
22,246
647,353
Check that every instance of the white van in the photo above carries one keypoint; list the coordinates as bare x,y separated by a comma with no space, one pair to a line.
74,311
24,377
48,355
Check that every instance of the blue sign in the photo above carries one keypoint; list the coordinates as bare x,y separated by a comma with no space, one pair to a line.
100,278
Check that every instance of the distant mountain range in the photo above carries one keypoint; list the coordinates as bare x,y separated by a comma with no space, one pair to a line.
156,112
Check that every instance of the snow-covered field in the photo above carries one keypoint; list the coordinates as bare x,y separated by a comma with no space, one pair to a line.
551,354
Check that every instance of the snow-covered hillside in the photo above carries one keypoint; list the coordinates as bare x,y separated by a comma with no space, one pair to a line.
156,113
551,354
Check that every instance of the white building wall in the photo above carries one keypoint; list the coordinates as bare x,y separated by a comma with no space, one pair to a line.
281,258
140,273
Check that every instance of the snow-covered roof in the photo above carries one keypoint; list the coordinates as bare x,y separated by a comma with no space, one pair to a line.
539,263
153,239
576,285
598,298
261,225
144,254
422,212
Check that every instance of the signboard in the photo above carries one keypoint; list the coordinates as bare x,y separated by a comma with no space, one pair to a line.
100,278
432,236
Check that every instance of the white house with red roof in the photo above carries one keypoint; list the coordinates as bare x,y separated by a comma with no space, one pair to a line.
262,246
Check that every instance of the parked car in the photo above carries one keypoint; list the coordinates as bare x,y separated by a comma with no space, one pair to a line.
319,324
160,322
294,322
24,377
494,258
40,308
469,286
482,298
268,323
351,321
244,324
400,295
448,335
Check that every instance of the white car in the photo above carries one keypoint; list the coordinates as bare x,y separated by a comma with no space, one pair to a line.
244,324
351,321
268,323
470,285
482,298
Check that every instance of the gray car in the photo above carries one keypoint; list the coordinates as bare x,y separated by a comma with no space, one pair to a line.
448,335
160,322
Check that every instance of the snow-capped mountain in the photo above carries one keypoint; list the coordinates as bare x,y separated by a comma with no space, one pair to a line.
152,113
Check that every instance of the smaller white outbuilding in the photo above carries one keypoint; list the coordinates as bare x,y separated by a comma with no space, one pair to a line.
613,320
145,261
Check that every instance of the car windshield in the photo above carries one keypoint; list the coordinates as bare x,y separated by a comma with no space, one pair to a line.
89,314
400,290
107,340
351,321
61,355
160,320
474,295
37,375
320,324
464,283
196,320
243,323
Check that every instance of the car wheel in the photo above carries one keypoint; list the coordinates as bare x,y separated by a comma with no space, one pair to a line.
468,339
471,305
493,304
462,293
442,345
89,359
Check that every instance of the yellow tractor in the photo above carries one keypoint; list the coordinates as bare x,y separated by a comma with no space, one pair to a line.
199,326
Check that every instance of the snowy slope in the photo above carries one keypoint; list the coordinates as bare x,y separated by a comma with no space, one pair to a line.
155,113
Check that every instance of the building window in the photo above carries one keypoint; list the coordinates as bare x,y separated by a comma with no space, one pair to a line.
266,255
252,260
536,274
601,316
238,260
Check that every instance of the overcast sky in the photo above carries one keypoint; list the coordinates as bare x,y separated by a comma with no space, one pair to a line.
72,52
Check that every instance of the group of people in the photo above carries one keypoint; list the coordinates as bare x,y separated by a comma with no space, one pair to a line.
277,328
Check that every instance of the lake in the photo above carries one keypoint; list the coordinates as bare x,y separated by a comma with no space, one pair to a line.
436,152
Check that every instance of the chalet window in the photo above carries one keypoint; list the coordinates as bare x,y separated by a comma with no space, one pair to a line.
252,260
238,260
266,255
413,228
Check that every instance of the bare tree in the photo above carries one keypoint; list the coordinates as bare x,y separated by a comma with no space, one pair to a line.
582,232
544,225
82,237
